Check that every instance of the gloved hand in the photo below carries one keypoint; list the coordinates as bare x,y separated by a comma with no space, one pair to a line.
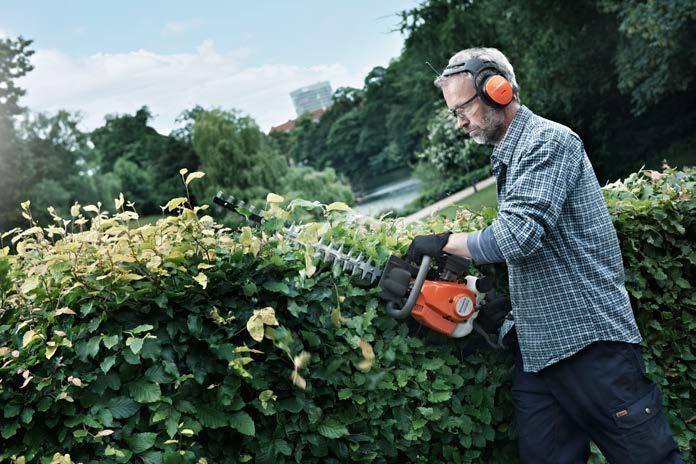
491,315
430,245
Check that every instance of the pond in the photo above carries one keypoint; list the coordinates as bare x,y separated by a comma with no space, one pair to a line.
393,195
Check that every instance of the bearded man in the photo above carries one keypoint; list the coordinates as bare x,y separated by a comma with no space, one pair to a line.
579,374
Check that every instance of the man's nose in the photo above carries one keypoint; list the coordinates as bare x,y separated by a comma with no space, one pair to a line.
462,122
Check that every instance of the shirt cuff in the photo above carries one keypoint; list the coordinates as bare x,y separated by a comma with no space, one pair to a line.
483,247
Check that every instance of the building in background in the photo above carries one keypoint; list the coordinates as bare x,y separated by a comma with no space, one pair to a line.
290,125
311,98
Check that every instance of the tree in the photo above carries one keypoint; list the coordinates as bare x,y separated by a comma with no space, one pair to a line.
14,64
128,146
310,184
449,150
61,161
236,156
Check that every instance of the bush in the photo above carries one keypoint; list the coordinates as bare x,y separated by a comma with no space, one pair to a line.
184,341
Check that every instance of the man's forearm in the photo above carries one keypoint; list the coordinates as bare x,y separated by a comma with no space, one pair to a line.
480,246
457,245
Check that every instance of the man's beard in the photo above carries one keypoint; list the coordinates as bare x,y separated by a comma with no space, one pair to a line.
491,130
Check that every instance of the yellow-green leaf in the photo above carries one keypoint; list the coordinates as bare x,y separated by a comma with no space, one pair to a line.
310,268
30,284
75,210
119,201
368,356
202,279
298,380
64,310
301,360
28,337
51,350
255,324
174,203
194,175
273,198
183,171
338,206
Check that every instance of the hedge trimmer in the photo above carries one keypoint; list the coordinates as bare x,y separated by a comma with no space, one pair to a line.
441,297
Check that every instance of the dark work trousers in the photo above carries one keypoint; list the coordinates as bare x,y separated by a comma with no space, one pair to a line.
601,394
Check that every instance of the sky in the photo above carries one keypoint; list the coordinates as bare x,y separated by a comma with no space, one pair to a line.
102,58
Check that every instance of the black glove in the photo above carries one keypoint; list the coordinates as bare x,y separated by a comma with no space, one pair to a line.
430,245
491,315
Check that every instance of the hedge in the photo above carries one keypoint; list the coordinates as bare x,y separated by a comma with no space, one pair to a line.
185,341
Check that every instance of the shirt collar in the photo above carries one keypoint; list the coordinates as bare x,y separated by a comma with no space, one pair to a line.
503,150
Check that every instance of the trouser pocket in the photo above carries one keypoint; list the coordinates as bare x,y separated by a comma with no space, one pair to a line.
644,430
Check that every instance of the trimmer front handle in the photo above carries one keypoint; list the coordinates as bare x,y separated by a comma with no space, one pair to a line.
406,309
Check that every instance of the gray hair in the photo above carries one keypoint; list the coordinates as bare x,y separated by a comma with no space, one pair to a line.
485,54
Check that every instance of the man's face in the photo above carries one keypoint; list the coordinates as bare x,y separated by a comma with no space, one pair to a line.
485,125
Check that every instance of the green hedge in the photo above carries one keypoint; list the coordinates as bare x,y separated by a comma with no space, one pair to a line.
184,341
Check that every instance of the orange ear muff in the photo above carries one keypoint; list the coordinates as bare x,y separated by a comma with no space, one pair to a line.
498,89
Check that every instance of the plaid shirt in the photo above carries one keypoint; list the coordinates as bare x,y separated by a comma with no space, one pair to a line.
553,228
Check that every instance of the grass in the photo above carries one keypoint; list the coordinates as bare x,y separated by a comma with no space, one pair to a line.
484,197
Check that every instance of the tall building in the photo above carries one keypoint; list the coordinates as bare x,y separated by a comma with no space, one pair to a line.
312,97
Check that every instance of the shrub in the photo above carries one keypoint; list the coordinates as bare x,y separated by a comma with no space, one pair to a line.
185,341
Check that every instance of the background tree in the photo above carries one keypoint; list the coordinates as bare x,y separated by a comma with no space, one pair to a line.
14,64
141,162
236,156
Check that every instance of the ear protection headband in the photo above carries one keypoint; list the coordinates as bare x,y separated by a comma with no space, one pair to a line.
491,86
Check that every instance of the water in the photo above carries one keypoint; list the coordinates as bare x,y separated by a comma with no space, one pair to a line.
394,195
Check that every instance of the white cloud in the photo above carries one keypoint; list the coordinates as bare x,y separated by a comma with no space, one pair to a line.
177,27
107,83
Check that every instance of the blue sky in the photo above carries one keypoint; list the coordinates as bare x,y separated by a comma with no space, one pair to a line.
113,57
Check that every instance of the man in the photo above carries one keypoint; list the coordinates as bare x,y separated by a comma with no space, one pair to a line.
579,373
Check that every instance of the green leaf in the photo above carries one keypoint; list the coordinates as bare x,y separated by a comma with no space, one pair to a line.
9,430
122,407
332,429
243,423
135,344
27,414
157,374
141,328
107,363
88,349
111,341
277,287
139,442
438,396
11,410
212,417
144,392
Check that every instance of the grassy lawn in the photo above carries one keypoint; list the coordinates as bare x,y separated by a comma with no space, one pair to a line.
484,197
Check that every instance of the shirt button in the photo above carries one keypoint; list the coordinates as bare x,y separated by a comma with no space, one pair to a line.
647,411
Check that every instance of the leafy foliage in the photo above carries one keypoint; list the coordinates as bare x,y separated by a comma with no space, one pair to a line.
185,341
